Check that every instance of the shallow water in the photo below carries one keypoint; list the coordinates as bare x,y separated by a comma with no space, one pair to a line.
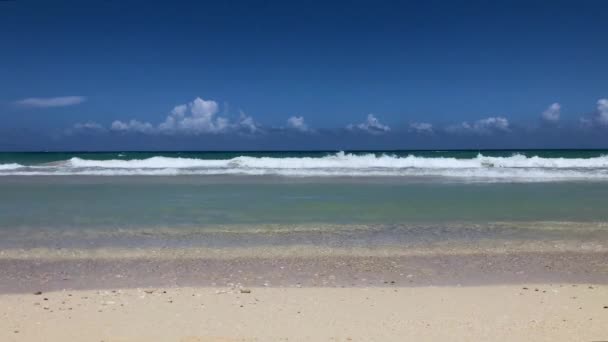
399,197
196,202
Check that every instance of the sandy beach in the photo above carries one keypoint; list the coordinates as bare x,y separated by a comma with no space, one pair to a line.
535,312
190,259
473,293
263,170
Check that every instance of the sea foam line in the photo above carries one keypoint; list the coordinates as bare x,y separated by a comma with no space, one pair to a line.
516,167
343,160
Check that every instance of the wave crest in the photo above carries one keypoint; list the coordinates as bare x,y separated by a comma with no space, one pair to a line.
11,166
343,160
517,167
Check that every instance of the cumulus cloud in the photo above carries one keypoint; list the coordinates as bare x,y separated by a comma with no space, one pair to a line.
421,127
600,117
197,117
47,102
247,124
483,126
371,125
552,113
297,123
132,126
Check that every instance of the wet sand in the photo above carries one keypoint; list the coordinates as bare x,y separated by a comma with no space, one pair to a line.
54,274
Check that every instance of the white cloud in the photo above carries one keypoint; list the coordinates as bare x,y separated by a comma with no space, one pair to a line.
90,125
297,123
371,125
197,117
248,124
132,126
47,102
85,127
552,113
421,127
483,126
602,111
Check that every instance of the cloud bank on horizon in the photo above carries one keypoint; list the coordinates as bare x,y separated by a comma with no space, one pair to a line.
297,123
202,116
483,126
371,125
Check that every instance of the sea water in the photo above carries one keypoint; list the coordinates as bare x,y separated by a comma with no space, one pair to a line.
291,191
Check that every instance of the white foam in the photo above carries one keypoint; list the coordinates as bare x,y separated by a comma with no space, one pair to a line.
149,163
11,166
517,167
342,160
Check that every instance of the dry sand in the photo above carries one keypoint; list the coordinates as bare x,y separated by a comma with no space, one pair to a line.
557,312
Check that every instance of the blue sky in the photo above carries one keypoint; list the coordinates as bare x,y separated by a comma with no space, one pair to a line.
303,75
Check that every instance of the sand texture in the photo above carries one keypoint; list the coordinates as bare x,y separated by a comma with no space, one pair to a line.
534,312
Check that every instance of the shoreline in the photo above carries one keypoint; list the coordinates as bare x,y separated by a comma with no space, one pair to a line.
165,269
469,290
540,282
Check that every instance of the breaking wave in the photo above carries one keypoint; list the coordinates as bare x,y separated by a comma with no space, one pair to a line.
11,166
516,167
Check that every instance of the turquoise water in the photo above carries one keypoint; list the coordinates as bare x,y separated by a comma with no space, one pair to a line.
204,190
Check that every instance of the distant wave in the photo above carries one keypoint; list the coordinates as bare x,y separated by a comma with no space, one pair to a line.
11,166
516,167
342,160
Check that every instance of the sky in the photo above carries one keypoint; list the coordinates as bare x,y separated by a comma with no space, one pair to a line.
300,75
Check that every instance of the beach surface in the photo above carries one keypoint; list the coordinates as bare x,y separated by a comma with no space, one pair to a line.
547,282
535,312
319,246
531,291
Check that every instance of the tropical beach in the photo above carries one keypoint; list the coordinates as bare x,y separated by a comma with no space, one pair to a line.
552,291
263,170
325,246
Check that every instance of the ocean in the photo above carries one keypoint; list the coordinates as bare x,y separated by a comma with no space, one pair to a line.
387,196
489,166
